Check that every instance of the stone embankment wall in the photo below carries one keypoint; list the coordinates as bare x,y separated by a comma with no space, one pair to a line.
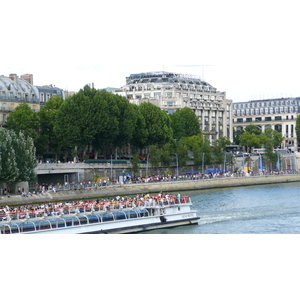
170,187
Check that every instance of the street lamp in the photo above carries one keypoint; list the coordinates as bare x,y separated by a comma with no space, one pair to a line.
176,164
111,179
243,163
260,163
225,162
147,164
278,162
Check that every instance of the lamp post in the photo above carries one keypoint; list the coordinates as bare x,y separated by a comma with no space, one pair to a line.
243,163
278,162
147,165
260,163
111,179
176,164
225,162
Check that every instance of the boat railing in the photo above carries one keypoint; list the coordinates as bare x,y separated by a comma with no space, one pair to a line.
92,208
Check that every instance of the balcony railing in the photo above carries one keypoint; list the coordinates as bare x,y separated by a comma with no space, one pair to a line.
19,98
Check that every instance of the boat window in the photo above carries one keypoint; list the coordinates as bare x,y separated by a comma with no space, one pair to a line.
131,214
27,227
69,221
44,225
76,221
14,228
144,213
107,217
93,219
120,215
83,220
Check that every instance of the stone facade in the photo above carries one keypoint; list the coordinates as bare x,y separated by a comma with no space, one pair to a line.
278,114
171,91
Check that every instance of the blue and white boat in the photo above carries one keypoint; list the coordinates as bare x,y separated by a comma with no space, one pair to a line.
99,216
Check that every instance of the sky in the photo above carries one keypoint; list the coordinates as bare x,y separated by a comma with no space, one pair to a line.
248,49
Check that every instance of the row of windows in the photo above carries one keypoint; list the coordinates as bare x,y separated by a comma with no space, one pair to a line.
170,95
264,104
259,119
264,111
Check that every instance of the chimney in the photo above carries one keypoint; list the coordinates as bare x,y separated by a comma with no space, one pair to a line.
13,77
28,78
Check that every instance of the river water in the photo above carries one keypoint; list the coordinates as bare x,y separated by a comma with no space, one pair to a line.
268,209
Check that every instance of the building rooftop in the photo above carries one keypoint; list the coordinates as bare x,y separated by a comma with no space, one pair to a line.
162,76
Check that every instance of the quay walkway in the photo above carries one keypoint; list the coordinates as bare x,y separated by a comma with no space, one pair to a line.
156,187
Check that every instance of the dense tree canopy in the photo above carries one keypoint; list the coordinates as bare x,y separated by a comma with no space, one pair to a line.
17,157
158,124
184,123
48,118
23,119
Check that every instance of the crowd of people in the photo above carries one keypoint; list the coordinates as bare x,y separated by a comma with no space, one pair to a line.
85,206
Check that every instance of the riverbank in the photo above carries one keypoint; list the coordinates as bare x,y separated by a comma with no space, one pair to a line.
170,187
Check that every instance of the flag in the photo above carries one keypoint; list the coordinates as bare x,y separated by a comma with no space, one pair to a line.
278,163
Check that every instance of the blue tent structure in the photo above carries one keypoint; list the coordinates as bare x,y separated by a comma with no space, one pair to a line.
191,172
212,170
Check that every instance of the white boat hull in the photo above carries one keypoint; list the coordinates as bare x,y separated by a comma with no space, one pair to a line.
127,226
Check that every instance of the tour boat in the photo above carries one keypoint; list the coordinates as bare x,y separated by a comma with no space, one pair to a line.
100,216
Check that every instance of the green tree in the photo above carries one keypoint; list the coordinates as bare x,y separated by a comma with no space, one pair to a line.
25,152
194,144
184,123
48,117
167,153
253,129
107,123
236,136
183,154
271,140
89,117
17,157
206,150
155,155
8,168
23,119
135,162
158,124
127,120
140,134
219,149
250,140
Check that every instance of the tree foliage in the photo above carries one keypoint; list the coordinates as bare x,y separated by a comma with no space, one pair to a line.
158,124
23,119
17,157
184,123
48,118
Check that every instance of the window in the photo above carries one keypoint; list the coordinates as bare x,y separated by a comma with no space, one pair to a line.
239,120
169,95
248,119
268,119
157,94
257,119
277,118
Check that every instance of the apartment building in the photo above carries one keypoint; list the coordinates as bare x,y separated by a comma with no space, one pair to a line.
279,114
171,91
